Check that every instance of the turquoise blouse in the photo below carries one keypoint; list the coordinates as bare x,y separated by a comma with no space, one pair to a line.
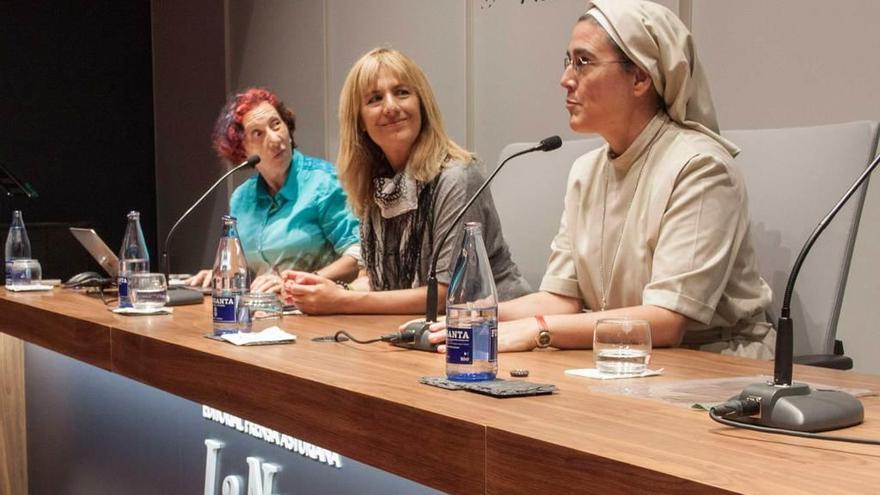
306,226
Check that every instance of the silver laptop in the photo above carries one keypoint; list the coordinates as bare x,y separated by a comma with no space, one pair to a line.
110,263
98,249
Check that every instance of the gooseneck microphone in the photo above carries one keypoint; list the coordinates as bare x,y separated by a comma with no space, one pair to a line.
10,185
783,406
251,161
416,334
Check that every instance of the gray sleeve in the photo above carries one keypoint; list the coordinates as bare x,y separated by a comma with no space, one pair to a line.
457,183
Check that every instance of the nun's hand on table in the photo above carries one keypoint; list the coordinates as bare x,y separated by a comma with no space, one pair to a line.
513,336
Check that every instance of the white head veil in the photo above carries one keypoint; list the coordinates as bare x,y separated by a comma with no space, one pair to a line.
659,43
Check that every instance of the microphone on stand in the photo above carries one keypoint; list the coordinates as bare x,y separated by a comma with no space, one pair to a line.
787,406
10,185
165,262
415,335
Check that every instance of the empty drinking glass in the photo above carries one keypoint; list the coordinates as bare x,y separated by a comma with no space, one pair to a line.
147,290
264,310
25,272
622,346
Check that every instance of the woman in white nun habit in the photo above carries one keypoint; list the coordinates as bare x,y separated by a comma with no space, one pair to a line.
656,224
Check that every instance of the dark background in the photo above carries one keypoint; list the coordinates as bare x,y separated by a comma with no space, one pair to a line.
76,101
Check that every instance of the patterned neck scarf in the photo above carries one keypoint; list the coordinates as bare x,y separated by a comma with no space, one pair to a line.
393,231
396,195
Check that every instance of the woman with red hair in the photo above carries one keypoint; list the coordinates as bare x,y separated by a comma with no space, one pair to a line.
292,214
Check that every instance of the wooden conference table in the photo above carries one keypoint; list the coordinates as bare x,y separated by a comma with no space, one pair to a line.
365,403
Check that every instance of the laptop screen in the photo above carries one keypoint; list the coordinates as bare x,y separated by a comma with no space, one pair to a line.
98,249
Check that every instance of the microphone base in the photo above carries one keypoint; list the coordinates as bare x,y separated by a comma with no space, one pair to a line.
420,343
181,296
798,407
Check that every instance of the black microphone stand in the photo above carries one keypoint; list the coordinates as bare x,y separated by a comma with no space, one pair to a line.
165,262
416,334
11,186
12,189
786,405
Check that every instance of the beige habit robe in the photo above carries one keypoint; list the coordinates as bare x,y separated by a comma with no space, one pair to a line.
666,223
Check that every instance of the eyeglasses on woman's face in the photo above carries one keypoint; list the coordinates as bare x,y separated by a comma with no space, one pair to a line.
580,62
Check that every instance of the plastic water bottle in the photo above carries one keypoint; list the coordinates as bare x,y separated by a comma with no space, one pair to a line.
230,282
133,256
18,246
472,313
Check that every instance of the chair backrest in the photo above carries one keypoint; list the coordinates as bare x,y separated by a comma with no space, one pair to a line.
529,196
794,177
860,309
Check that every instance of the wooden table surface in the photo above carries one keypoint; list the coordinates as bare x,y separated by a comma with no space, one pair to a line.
365,403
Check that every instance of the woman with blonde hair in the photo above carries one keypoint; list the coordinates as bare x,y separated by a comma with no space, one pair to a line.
406,180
